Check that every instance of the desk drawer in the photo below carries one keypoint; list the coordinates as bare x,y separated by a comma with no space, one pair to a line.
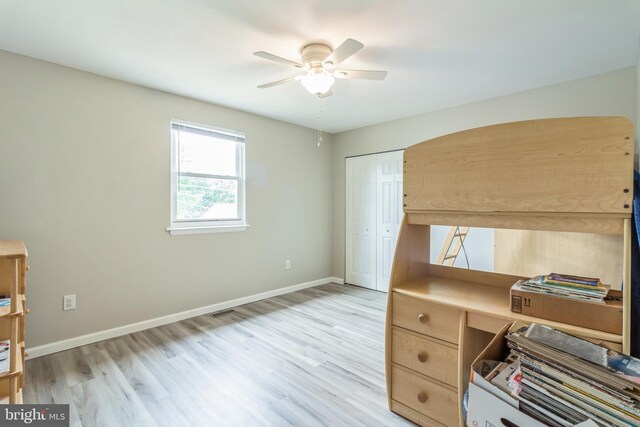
426,318
415,416
485,322
425,356
433,400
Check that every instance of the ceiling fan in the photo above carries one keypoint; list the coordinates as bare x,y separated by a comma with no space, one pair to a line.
319,64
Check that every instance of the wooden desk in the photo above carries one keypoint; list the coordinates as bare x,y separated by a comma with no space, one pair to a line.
487,306
439,324
571,174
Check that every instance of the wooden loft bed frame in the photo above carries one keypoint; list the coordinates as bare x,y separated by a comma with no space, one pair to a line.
565,174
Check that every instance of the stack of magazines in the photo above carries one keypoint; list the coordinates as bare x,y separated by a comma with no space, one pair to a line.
565,286
561,380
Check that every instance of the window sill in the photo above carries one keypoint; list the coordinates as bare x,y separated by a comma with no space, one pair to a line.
175,231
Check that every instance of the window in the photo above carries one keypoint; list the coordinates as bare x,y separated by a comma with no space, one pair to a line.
207,180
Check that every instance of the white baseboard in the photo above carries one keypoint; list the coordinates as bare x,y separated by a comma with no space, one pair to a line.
337,280
57,346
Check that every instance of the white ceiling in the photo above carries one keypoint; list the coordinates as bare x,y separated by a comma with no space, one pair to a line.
439,53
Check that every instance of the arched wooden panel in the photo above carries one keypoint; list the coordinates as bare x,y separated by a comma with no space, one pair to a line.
569,165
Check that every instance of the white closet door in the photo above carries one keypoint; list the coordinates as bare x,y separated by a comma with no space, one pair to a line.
361,222
389,214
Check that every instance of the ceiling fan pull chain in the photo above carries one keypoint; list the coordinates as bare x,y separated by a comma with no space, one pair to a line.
319,115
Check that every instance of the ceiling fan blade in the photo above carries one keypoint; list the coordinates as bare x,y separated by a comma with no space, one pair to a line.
279,82
278,59
326,94
360,74
344,51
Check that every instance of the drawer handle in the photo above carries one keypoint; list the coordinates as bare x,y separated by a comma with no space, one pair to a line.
422,397
423,317
422,356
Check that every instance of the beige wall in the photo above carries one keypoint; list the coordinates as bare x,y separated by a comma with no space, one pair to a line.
612,93
84,180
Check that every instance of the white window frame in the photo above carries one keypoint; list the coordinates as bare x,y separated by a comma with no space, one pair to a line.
207,225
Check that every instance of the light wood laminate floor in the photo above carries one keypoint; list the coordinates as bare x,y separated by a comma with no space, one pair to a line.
310,358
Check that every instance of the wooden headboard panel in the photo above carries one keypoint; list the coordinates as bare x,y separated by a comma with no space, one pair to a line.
568,165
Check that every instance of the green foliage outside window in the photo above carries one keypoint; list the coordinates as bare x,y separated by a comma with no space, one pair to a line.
197,195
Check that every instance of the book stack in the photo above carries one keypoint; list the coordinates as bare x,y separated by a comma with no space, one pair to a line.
5,345
566,286
561,380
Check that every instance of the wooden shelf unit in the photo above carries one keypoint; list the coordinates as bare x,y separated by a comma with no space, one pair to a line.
570,174
13,268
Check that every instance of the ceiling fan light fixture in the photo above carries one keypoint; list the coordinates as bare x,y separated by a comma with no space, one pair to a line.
320,62
318,83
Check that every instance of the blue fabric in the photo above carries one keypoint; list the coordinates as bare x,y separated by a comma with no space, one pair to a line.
635,268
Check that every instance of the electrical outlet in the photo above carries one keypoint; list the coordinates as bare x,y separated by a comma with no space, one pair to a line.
69,302
287,264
